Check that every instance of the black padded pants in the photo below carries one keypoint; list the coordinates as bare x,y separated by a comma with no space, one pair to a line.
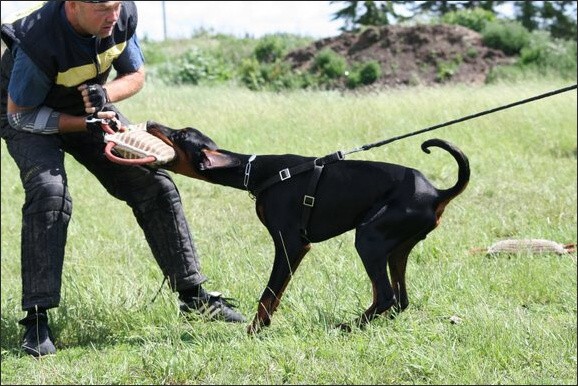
150,193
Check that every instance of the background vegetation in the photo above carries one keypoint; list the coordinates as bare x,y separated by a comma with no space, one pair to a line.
558,18
260,64
517,312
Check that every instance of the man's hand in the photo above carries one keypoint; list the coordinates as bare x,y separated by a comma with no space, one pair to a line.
95,122
94,96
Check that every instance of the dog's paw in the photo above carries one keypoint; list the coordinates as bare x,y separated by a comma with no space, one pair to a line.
254,328
344,327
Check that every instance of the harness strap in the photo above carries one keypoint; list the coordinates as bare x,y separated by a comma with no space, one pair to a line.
309,198
287,173
283,175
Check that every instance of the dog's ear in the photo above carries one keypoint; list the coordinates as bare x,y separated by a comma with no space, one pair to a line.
213,159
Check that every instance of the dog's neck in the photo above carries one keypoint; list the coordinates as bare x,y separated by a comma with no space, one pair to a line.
253,172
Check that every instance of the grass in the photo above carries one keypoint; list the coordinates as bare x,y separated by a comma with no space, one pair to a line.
518,312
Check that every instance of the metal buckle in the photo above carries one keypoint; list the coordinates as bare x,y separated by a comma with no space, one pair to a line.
308,200
284,174
93,119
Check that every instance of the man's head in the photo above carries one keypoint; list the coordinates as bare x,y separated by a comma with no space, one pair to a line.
93,18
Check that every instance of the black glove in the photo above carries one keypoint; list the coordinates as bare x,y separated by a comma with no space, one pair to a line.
97,96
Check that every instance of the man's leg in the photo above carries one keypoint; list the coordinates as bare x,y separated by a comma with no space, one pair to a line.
157,206
45,216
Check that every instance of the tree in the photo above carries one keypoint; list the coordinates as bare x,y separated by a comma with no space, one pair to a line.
439,8
367,13
557,17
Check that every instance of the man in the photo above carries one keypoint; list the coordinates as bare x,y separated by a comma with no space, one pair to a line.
54,79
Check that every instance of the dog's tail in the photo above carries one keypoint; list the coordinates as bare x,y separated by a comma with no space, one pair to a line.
463,167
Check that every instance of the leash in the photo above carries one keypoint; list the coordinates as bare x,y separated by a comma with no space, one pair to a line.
318,164
468,117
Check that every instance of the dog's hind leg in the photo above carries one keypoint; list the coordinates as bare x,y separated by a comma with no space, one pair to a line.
289,251
397,262
374,250
381,249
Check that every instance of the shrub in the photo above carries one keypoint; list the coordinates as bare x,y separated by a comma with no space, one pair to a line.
277,76
546,53
353,79
474,19
250,74
327,63
445,70
507,36
195,67
270,49
153,52
370,72
543,57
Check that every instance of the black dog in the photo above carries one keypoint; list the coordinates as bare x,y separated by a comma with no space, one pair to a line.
303,200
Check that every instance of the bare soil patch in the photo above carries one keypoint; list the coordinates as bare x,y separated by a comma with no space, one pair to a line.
411,55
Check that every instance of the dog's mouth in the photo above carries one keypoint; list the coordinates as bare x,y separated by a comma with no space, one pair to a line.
193,147
161,133
196,157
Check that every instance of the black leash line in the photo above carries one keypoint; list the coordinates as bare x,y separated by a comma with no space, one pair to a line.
386,141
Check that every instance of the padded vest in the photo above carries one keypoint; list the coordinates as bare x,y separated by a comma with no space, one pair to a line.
45,37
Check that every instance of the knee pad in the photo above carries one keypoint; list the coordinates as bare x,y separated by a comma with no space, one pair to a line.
47,197
161,193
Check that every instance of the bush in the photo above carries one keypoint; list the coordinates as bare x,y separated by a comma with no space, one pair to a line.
195,67
474,19
547,53
543,57
445,70
329,64
370,72
353,79
250,74
270,49
507,36
153,52
272,76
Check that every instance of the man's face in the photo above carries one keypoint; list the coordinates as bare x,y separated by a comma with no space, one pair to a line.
97,19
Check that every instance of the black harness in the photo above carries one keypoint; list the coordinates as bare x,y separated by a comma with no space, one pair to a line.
284,174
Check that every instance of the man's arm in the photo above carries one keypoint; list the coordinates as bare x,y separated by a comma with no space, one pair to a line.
31,87
125,86
122,87
130,78
44,120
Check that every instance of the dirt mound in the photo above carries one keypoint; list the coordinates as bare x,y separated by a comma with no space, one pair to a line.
411,55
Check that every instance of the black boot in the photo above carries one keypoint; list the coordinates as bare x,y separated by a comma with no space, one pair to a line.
38,339
209,304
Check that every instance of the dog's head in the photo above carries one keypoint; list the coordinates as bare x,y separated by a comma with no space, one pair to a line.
195,152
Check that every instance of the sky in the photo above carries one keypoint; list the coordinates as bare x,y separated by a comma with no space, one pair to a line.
239,18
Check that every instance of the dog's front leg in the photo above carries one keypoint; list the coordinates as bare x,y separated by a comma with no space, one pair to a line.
289,251
267,305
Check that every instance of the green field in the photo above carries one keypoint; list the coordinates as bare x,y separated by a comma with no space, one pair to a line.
517,312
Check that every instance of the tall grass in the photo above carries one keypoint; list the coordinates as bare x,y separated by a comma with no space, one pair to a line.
517,312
